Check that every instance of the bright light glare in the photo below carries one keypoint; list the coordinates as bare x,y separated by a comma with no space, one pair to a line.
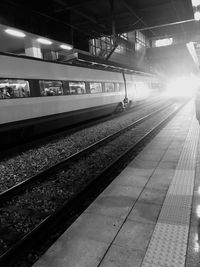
198,211
196,243
142,90
66,47
197,15
44,41
15,33
184,87
195,3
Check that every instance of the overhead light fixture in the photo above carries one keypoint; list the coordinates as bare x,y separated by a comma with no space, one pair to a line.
195,3
66,47
44,41
197,15
164,42
15,33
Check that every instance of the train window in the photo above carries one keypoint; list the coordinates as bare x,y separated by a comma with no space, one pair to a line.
131,86
77,88
51,88
95,88
119,87
10,88
109,87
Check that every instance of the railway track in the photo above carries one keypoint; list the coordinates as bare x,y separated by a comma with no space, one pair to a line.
9,152
141,133
63,164
18,167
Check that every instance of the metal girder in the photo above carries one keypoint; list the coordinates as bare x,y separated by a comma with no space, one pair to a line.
81,13
165,25
107,18
111,52
157,5
162,4
89,18
178,17
132,11
72,6
76,28
113,18
160,34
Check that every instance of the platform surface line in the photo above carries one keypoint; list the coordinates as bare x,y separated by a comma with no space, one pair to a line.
168,244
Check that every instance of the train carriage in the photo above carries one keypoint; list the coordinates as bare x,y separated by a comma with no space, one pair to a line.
38,96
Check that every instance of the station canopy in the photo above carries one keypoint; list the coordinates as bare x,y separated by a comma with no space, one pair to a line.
77,21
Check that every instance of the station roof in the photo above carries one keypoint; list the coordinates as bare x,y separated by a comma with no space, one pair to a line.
76,21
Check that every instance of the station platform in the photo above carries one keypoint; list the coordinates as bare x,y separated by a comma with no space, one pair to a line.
149,215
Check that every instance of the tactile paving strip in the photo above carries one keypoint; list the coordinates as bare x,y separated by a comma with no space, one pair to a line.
168,245
173,255
175,215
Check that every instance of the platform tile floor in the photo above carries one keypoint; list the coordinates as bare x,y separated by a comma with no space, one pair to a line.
142,218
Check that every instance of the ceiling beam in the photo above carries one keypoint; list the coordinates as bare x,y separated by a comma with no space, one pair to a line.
178,17
106,19
158,28
112,9
156,5
81,13
166,24
89,18
49,17
132,11
65,6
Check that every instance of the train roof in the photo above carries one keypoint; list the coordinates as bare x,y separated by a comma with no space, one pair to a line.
87,61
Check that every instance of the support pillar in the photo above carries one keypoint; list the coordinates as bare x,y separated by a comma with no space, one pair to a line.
32,49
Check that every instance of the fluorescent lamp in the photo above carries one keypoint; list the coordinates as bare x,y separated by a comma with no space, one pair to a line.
164,42
66,46
15,33
197,15
44,41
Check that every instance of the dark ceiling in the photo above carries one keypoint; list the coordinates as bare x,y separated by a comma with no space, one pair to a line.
76,21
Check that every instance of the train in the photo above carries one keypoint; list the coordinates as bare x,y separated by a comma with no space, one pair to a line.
38,97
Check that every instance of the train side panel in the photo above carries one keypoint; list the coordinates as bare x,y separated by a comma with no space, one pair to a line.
12,110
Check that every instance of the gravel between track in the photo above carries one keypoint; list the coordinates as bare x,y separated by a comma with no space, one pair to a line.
20,167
